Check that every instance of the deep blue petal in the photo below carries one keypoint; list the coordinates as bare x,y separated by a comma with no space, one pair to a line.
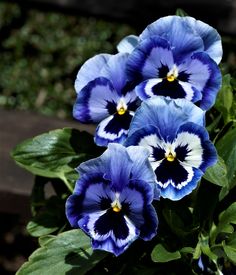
91,103
90,70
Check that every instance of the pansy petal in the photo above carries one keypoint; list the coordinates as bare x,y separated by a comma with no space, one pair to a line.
148,58
204,75
90,70
114,70
118,242
141,168
92,102
201,152
166,114
210,36
127,44
113,129
178,32
177,190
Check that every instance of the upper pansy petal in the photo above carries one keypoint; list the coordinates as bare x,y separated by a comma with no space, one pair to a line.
92,102
90,70
183,39
141,166
128,43
210,36
166,114
114,70
148,58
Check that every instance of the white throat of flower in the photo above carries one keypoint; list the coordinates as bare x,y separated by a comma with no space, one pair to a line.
172,74
116,205
121,106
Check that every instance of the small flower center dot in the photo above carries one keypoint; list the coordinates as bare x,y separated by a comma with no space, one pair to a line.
170,157
116,208
121,111
171,78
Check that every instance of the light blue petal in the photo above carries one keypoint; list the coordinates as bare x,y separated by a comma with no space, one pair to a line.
127,44
183,39
150,55
167,115
91,103
141,168
210,36
114,70
90,70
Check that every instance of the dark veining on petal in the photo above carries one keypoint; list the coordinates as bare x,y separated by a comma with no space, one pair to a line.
163,71
114,221
181,152
183,76
118,122
166,88
158,153
111,107
171,171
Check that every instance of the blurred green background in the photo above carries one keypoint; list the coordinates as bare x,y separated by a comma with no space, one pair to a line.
41,52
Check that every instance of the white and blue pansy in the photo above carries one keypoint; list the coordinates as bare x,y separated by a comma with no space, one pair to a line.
107,98
112,199
179,155
157,70
186,35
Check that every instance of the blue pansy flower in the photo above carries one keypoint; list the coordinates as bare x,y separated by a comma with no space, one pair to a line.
179,145
105,97
185,35
158,70
112,199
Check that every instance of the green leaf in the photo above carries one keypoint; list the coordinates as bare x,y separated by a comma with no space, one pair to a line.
217,173
68,253
49,219
226,148
161,255
224,99
230,247
226,219
181,13
55,154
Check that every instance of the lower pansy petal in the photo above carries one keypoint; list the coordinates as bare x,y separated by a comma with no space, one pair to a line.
177,188
112,231
113,129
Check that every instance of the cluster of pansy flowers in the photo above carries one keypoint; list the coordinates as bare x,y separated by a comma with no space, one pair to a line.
149,101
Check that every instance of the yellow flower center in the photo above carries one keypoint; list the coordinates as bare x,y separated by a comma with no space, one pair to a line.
121,111
170,157
116,208
170,78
